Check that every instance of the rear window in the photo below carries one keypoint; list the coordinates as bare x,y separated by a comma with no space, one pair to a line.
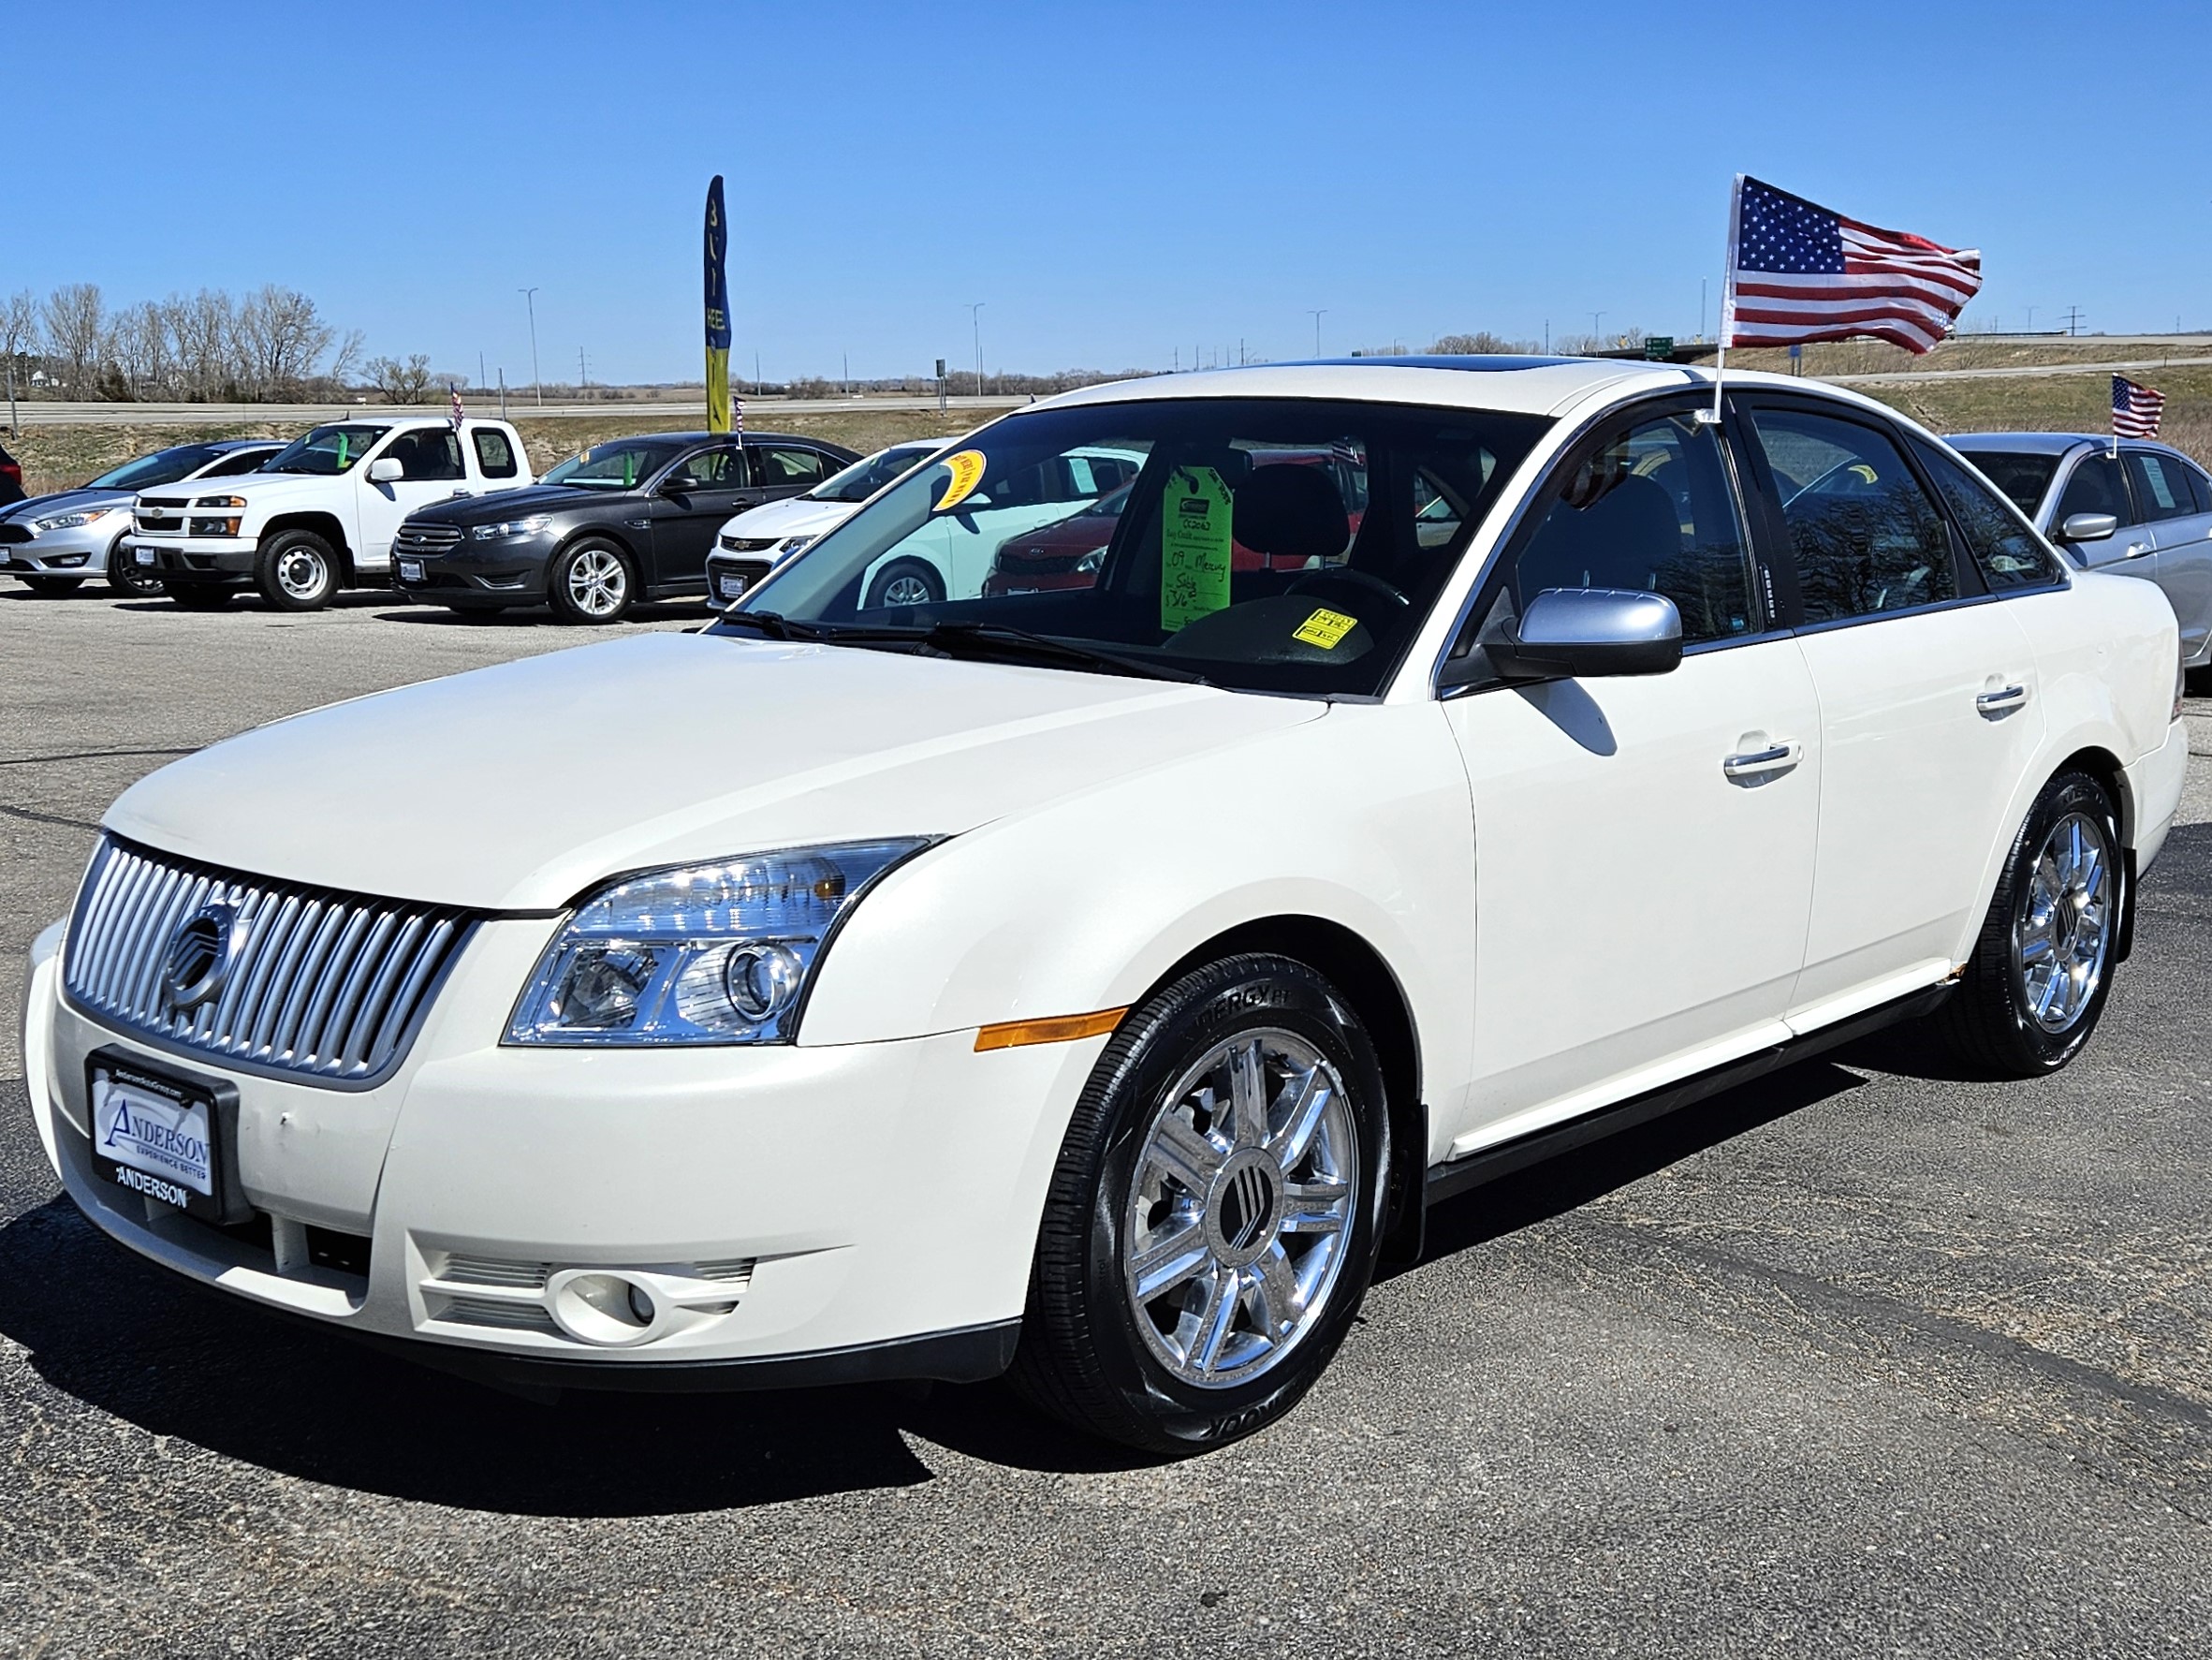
2009,554
2022,478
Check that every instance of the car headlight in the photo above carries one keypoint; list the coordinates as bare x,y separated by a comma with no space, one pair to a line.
511,528
794,544
220,501
699,954
70,520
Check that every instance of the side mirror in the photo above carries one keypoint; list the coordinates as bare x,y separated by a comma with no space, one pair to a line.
387,469
1574,633
2087,527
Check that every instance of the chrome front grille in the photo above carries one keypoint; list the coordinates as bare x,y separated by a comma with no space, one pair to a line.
324,986
427,539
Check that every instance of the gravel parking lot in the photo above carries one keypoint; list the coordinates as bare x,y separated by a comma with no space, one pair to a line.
1858,1359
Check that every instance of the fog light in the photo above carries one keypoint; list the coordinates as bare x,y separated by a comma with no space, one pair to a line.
66,560
609,1309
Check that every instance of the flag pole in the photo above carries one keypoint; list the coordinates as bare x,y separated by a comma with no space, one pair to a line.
1735,207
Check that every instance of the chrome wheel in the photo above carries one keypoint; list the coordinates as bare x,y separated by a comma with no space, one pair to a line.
597,582
2061,933
1240,1208
907,590
301,572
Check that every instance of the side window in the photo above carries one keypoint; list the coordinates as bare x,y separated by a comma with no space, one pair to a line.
428,453
778,466
2009,553
709,469
1867,537
495,456
2161,490
2094,487
1652,509
238,462
2200,488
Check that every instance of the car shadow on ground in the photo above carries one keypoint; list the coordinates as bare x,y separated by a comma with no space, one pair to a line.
540,616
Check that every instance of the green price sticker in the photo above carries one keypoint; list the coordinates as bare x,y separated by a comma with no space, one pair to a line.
1193,547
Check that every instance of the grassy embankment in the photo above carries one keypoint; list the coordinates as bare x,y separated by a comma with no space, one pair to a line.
55,457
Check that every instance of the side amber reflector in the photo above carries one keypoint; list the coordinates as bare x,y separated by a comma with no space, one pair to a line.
1060,1029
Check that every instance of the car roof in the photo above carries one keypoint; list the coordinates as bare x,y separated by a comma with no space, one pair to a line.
230,444
709,437
2025,443
1512,384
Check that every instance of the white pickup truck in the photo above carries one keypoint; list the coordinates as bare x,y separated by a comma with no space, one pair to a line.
322,513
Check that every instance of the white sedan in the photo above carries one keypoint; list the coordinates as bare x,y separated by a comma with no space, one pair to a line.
1095,983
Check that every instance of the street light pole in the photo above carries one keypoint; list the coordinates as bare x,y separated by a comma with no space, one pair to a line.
976,322
1317,316
530,298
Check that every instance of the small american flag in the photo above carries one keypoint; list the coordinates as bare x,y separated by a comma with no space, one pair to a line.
1798,272
2135,409
455,417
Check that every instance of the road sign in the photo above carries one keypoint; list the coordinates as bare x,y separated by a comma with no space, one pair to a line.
1659,348
940,368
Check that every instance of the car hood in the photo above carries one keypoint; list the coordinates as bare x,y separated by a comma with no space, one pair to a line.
794,516
253,487
66,501
515,504
517,786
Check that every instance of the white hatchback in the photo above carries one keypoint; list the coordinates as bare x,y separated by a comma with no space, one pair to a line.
1096,983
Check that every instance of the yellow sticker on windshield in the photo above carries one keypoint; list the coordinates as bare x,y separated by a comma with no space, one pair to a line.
1195,517
967,473
1325,629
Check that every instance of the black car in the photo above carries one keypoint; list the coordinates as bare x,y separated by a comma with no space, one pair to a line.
628,520
11,478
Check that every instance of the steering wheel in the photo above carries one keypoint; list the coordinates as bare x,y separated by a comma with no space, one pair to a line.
1357,578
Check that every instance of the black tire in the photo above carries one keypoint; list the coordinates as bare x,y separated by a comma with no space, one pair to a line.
52,587
593,583
913,577
199,597
1084,1358
126,577
1990,1021
296,570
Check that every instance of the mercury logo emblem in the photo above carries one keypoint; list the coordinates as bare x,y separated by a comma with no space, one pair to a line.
199,958
1244,1206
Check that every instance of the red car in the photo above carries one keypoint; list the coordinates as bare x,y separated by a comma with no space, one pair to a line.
1067,552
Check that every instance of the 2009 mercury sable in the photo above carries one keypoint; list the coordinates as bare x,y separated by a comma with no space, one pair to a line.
1094,982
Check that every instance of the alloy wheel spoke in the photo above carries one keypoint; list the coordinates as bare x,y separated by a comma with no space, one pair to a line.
1307,1109
1248,1095
1313,1207
1275,1292
1167,1263
1216,1316
1184,1156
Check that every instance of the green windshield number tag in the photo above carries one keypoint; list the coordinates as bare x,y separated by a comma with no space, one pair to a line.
341,452
1193,547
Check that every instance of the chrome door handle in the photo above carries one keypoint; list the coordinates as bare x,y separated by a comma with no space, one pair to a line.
2002,701
1758,763
2137,550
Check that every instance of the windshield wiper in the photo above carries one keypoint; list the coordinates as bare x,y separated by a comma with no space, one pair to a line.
957,639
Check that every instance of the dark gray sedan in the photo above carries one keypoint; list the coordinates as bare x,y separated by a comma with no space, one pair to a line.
2144,510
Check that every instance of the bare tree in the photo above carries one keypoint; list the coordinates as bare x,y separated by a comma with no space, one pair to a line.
19,333
1481,344
346,360
199,331
402,383
281,339
75,336
141,348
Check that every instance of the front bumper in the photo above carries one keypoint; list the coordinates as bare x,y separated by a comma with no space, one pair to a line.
81,551
2155,783
502,573
203,558
797,1213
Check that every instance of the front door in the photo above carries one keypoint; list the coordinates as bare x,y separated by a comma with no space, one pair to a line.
1644,845
2176,501
694,499
1930,715
431,471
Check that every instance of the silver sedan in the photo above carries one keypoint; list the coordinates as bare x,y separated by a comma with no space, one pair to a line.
2144,510
52,543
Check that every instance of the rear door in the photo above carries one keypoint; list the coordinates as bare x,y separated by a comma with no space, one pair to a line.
691,502
1644,845
1929,717
2177,501
786,469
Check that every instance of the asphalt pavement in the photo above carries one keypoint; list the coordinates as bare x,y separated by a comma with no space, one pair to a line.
1858,1360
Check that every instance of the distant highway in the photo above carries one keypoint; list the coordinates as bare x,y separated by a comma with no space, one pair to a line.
759,411
2013,371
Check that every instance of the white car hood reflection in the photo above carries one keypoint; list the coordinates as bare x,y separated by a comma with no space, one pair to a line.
517,787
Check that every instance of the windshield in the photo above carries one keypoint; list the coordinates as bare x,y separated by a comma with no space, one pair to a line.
870,473
1262,544
623,464
164,466
2022,478
325,452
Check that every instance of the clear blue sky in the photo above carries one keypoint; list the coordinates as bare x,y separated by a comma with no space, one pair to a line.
1116,183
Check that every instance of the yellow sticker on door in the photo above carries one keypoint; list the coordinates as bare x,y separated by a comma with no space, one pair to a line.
1325,629
967,473
1195,517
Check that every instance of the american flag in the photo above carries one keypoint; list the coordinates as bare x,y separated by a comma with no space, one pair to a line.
1798,272
2135,409
455,417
